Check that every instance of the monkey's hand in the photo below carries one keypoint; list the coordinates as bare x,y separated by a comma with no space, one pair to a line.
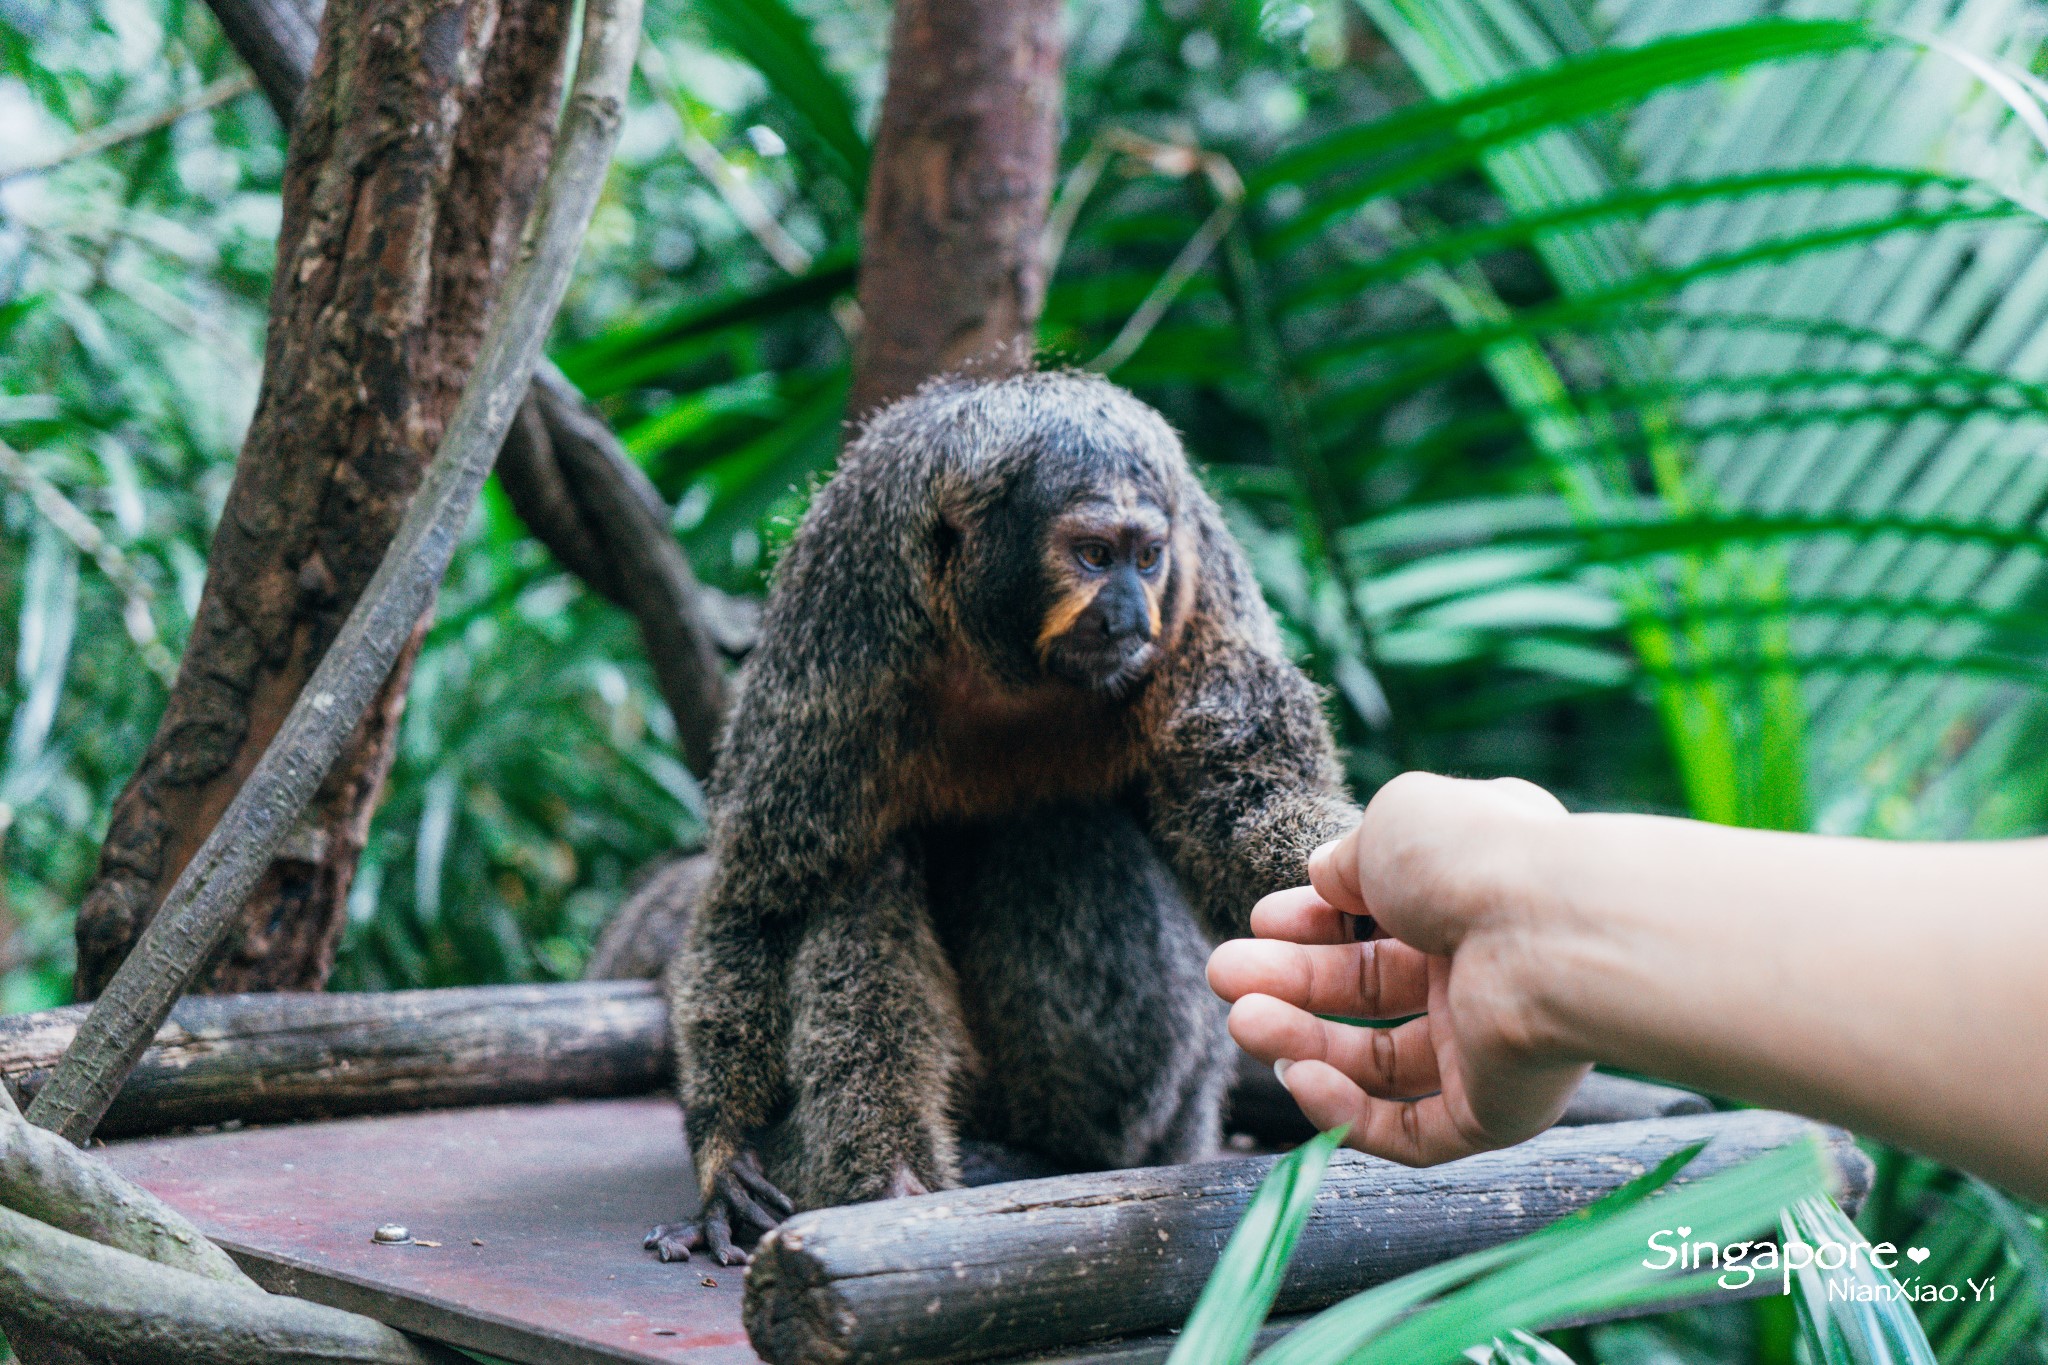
741,1197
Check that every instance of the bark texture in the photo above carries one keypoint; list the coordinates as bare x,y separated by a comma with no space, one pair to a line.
568,476
416,152
118,1307
1044,1265
277,39
952,271
285,1057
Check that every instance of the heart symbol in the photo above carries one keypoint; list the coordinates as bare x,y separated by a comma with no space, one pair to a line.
1917,1254
1685,1232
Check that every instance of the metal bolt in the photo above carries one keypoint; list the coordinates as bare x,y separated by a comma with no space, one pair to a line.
391,1234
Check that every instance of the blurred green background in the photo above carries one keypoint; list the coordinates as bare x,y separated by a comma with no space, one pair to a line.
1645,398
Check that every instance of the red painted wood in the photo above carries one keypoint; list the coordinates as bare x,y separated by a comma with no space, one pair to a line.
558,1195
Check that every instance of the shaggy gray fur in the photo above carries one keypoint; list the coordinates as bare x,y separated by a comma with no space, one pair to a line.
954,895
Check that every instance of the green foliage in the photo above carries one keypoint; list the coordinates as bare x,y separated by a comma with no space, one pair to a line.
1973,1233
1240,1292
1846,1330
535,775
131,289
1479,1306
776,42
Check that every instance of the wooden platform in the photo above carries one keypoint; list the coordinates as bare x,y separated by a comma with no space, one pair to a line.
538,1211
527,1222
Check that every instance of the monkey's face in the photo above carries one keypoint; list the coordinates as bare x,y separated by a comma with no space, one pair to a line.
1107,563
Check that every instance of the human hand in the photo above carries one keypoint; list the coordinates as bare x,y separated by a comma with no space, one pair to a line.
1449,869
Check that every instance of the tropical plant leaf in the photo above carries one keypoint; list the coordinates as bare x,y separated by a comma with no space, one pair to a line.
1586,1264
634,353
1850,1313
1240,1292
776,42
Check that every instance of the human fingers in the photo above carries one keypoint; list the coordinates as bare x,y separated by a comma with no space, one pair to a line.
1301,915
1420,1132
1333,871
1528,796
1377,980
1402,826
1435,857
1393,1063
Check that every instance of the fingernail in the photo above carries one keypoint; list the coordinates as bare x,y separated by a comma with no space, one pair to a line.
1280,1070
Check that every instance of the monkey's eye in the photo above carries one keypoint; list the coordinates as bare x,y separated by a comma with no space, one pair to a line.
1149,556
1094,554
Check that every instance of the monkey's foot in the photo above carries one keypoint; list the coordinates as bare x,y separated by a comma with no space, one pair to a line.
742,1196
674,1241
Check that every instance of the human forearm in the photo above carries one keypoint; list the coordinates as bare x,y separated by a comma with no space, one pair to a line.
1900,989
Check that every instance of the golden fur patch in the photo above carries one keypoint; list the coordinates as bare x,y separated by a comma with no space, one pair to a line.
1182,571
1065,612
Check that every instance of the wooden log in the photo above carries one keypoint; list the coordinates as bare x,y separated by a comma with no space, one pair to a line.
1621,1099
279,1058
648,927
1014,1269
285,1057
1261,1106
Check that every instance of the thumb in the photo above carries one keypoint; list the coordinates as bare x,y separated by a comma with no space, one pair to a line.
1333,871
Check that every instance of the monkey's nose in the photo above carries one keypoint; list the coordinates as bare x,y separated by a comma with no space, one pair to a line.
1124,620
1121,610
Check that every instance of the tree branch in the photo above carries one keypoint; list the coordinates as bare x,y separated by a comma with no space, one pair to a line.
48,1179
125,129
1044,1265
109,1302
209,893
286,1057
95,1270
277,38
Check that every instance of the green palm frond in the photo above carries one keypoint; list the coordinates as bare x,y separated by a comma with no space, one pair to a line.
637,353
1711,426
1485,1306
777,42
1850,1315
1240,1292
1487,1302
1837,522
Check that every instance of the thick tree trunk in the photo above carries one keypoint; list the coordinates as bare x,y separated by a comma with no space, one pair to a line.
952,273
414,158
567,475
